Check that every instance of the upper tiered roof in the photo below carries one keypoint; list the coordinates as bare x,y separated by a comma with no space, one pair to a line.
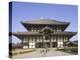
45,21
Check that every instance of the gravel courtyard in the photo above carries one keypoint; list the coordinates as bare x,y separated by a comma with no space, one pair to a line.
37,54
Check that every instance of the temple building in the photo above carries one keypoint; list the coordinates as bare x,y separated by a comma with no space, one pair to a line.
44,33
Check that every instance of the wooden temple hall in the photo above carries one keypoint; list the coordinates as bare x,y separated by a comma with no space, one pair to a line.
44,33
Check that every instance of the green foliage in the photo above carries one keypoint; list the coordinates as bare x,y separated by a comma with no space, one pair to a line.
71,50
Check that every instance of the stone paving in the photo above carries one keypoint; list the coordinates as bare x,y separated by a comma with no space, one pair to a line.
38,53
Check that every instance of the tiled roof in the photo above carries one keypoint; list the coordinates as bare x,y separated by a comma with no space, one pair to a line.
69,34
45,21
38,33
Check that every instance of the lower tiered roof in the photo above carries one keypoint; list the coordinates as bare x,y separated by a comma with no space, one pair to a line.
70,34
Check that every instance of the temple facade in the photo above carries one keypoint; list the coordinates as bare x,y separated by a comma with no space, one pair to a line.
44,33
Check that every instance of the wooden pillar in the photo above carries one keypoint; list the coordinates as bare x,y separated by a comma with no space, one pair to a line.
28,41
61,41
57,41
51,38
33,28
36,40
22,43
43,40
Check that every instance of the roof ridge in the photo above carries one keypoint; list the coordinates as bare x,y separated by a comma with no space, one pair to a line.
43,20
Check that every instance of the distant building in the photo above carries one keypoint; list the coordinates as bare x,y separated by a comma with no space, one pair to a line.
44,33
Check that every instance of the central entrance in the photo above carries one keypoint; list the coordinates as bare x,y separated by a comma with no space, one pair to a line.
47,45
46,31
43,45
46,41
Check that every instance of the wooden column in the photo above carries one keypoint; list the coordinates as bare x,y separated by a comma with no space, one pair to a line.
22,43
28,41
36,41
61,41
51,38
43,40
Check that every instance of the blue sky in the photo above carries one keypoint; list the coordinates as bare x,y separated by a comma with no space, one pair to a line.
22,11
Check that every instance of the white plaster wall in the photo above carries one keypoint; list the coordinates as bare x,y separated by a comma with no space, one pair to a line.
60,42
25,46
31,44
